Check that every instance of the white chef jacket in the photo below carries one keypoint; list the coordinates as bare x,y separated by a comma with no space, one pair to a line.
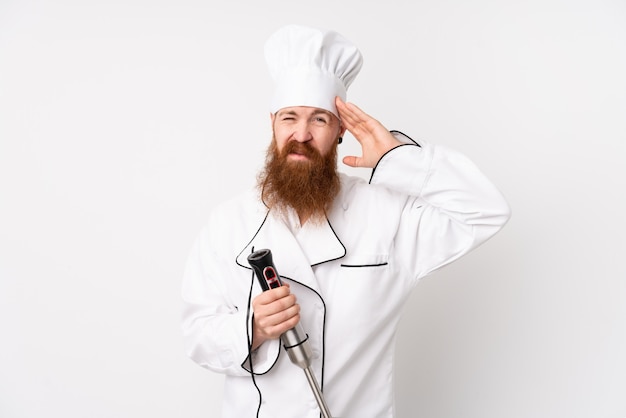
424,207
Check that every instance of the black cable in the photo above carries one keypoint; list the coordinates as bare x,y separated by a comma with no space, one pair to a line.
250,343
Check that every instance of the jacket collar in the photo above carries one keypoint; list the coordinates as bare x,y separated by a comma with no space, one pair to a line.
320,244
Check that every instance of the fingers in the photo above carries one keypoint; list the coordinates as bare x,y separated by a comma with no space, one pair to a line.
350,111
275,311
374,138
273,306
352,160
273,326
271,295
352,117
362,126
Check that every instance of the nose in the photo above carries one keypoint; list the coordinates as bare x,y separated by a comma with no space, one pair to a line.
301,132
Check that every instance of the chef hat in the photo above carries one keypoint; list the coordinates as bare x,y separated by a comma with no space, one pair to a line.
310,67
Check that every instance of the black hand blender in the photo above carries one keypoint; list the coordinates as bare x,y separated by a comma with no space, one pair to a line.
295,341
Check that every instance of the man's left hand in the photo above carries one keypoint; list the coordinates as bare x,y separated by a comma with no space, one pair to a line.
374,138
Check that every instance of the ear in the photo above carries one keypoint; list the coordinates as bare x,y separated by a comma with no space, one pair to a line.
272,117
342,129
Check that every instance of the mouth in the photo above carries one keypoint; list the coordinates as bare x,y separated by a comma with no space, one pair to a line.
297,156
299,152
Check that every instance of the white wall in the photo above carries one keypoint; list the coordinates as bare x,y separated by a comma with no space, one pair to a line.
123,122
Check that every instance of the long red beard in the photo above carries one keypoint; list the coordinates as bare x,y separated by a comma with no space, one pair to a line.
307,186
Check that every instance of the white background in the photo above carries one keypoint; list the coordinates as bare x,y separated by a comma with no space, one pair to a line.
123,122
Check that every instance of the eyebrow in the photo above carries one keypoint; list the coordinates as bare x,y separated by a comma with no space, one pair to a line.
321,112
294,113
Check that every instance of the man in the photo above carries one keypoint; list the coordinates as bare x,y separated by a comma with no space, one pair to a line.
348,251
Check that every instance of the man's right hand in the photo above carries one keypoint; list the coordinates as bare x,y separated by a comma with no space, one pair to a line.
275,311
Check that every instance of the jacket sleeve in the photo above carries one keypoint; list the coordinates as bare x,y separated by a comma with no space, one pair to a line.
216,319
452,207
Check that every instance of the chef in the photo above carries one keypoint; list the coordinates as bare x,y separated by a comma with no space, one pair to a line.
349,251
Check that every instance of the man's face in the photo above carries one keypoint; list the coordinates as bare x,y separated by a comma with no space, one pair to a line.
317,127
301,164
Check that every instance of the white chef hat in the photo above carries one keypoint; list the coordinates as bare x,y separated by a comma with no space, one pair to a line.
310,67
